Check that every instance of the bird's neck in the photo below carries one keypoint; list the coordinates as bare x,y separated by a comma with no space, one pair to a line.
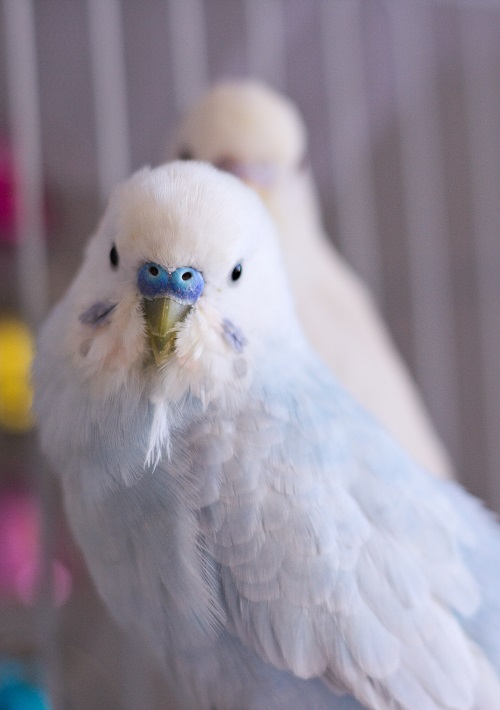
295,209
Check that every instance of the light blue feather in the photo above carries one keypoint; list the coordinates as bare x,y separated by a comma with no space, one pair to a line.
209,487
285,549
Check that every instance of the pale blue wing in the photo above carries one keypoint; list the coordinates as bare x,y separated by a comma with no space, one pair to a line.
339,558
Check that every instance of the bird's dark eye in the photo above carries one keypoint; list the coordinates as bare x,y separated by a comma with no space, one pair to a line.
113,257
236,273
186,276
185,154
153,270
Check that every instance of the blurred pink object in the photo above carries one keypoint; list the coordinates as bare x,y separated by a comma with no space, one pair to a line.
8,204
20,551
7,195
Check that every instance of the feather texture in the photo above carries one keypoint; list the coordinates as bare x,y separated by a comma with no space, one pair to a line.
280,548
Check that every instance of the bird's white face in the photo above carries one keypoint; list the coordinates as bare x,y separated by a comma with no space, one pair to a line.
249,130
180,284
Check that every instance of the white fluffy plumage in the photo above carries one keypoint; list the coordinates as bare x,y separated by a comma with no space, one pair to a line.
252,131
234,504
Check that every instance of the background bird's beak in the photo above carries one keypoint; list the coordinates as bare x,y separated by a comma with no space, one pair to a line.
162,315
259,176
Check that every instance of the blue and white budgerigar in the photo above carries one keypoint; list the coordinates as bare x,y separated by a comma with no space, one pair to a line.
235,506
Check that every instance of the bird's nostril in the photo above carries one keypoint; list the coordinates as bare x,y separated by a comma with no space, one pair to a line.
186,284
183,285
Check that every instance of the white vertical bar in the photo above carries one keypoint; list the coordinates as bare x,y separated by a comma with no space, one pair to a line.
110,93
265,32
425,204
482,93
24,116
187,35
350,137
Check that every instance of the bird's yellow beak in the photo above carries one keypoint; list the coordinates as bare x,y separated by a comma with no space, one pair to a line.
162,315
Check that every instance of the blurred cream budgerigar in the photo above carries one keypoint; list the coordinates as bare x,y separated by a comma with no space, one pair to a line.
257,134
236,507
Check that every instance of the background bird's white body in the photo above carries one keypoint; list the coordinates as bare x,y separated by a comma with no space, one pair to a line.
259,135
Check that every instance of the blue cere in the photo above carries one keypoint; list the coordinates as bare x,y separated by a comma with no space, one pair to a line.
153,280
184,285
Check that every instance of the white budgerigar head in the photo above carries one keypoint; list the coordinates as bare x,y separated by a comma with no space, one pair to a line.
181,285
247,128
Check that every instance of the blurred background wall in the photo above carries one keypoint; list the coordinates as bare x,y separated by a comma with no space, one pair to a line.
402,100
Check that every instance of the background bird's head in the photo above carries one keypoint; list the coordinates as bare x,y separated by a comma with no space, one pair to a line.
180,286
248,129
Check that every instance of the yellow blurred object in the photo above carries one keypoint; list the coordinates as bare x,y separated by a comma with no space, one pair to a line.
16,354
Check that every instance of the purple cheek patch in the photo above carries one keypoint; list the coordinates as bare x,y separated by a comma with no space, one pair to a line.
98,314
234,336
